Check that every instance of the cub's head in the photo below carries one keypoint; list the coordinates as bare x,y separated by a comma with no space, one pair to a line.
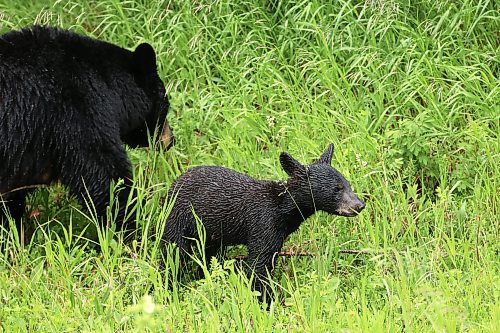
328,189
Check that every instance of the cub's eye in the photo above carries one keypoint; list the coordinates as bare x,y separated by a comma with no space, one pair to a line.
339,187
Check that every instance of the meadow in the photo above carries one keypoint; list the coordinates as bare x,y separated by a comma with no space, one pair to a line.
408,92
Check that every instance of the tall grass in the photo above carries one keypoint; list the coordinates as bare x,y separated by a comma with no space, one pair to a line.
407,91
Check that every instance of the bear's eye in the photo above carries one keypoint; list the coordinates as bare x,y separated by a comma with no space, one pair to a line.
339,187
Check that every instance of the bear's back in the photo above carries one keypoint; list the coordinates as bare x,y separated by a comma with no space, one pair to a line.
50,46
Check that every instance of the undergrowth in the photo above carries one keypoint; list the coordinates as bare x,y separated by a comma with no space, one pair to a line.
407,91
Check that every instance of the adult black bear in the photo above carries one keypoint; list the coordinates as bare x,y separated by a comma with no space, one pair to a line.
67,105
237,209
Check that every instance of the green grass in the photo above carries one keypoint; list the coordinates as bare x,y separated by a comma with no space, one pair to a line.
408,92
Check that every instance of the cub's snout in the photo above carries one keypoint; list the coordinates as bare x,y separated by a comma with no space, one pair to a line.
350,205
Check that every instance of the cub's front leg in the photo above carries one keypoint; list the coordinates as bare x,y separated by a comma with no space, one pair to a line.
263,249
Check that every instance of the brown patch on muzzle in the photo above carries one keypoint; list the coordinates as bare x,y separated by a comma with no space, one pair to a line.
167,138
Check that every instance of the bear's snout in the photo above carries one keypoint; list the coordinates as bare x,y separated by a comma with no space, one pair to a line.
167,137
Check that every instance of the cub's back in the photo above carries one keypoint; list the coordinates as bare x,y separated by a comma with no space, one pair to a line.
210,180
216,190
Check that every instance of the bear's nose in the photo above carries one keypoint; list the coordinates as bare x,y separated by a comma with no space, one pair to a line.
172,143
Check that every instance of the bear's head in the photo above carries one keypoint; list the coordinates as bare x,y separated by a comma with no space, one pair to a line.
141,127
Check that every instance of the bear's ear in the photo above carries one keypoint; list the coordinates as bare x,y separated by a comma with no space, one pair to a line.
290,165
326,157
144,59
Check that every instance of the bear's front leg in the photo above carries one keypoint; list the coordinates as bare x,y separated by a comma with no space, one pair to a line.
13,204
98,169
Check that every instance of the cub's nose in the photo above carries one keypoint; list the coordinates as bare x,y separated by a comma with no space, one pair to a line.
360,205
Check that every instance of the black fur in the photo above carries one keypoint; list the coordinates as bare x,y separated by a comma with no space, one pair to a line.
67,105
237,209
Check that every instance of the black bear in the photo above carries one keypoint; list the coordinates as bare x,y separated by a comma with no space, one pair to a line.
237,209
67,105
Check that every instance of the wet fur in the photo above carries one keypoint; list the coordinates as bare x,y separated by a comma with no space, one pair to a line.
68,103
237,209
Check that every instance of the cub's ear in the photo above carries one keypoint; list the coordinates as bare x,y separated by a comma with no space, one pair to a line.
326,157
144,59
290,165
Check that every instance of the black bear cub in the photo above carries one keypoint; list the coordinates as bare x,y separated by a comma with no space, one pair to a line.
67,105
237,209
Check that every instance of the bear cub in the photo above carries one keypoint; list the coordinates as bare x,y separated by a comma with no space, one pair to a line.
237,209
68,103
